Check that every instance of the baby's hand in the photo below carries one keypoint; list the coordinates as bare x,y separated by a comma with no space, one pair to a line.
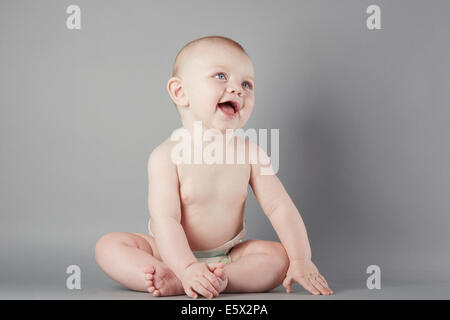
197,278
306,274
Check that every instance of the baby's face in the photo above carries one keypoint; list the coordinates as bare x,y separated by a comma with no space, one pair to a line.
219,83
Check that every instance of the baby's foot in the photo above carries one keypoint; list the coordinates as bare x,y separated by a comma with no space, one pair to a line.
219,271
161,281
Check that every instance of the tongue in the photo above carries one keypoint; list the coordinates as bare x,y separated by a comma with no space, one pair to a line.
227,109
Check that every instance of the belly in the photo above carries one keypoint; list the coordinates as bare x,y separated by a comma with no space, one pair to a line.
210,227
212,203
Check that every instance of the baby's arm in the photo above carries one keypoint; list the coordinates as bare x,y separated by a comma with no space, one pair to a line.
165,210
289,226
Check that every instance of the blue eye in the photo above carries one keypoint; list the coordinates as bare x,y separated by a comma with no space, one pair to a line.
247,85
221,74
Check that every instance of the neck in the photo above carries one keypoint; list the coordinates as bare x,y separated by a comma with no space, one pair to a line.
201,135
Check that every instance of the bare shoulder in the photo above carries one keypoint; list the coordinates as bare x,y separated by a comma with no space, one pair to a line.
160,157
250,147
256,154
259,160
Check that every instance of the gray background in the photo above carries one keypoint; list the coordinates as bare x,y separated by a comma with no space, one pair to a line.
363,118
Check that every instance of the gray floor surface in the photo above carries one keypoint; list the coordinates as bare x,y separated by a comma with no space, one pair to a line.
343,291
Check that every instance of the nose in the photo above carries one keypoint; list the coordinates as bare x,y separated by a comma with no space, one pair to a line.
235,90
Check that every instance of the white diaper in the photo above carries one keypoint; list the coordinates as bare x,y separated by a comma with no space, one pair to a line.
219,254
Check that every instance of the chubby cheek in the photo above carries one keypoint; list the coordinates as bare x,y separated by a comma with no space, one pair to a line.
204,101
208,97
247,111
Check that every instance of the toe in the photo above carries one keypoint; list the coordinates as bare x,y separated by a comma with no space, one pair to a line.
149,269
149,283
149,276
156,293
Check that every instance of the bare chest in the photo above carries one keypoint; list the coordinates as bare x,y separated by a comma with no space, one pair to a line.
205,184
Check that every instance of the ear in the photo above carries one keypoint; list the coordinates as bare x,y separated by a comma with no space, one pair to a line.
177,92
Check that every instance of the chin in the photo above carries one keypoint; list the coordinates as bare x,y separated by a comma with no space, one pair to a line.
224,128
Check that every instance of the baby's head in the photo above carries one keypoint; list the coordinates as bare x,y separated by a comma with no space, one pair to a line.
213,82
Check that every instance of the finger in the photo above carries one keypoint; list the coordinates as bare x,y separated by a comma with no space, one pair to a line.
208,286
212,280
214,265
287,284
198,287
220,273
308,286
323,279
323,283
319,286
191,293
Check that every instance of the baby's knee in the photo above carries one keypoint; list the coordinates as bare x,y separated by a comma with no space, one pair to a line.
279,253
106,243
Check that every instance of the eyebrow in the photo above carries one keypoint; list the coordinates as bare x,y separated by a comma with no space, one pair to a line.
223,67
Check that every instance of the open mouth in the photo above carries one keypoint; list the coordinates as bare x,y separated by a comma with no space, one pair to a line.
230,108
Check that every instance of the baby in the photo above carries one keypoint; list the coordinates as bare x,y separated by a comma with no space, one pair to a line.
194,245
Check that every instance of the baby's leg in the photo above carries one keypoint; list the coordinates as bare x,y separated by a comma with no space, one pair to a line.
124,257
256,266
